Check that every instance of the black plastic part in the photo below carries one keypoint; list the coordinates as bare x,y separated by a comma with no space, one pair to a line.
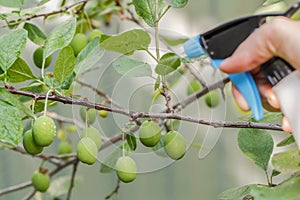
276,69
222,41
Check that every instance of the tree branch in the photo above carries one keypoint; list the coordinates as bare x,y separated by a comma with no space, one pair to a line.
135,115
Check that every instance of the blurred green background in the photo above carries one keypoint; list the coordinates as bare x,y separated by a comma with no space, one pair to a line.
190,178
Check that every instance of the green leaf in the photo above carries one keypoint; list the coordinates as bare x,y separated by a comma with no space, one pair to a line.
46,1
60,37
275,173
67,82
107,166
11,127
88,56
35,34
287,162
20,72
131,141
236,193
287,190
146,10
13,100
271,116
167,64
178,3
130,67
287,141
128,42
268,117
174,41
11,46
257,145
35,87
12,3
173,79
64,64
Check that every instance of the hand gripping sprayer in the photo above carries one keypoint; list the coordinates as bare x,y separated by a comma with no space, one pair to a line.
220,42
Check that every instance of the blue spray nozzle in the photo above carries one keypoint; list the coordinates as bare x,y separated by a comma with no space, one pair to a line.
193,47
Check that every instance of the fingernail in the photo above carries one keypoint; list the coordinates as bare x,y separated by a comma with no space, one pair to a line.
242,103
272,99
285,125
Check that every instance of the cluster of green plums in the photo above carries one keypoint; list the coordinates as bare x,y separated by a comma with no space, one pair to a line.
150,136
41,135
78,42
44,131
174,143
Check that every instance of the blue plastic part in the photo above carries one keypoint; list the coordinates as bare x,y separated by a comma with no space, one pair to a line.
193,48
247,87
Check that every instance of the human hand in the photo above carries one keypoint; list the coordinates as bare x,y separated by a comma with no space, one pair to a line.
279,37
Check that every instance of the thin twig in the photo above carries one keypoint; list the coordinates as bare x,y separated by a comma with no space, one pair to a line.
167,96
219,84
100,93
75,166
30,195
29,183
15,188
62,10
54,159
115,191
46,15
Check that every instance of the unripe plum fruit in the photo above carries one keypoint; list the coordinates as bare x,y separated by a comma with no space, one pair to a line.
29,145
95,33
174,145
38,58
43,131
126,169
212,98
92,133
149,133
40,181
87,151
78,42
91,114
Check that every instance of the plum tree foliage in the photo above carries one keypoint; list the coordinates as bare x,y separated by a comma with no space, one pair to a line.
31,98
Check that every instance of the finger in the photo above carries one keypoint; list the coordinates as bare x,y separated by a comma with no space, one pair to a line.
240,100
267,94
285,125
